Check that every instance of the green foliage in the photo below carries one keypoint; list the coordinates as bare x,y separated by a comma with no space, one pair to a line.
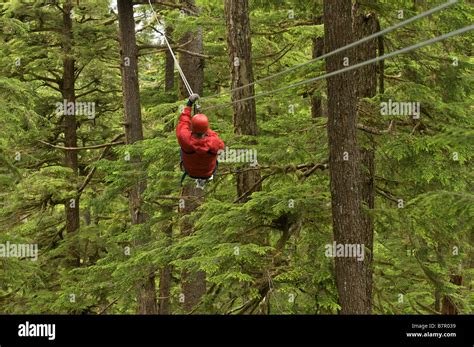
275,240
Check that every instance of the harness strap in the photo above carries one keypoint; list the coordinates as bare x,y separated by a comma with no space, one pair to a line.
182,178
181,165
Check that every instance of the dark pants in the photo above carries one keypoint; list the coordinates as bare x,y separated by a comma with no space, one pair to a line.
181,164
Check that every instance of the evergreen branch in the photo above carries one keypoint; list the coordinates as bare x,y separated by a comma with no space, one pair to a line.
324,165
166,4
59,8
279,169
82,148
150,46
281,53
262,33
92,171
375,131
164,47
196,54
270,55
40,30
427,308
286,169
250,190
46,84
126,291
99,91
44,78
86,86
79,70
385,193
292,23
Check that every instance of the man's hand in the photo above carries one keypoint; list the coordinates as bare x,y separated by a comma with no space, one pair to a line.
192,99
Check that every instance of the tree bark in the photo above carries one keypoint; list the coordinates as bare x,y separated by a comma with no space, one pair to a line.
164,306
70,125
240,62
316,100
344,160
366,83
146,295
192,66
448,305
193,284
164,302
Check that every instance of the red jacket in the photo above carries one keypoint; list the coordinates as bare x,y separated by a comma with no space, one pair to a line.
199,155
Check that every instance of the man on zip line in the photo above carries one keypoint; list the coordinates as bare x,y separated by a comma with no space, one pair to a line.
199,145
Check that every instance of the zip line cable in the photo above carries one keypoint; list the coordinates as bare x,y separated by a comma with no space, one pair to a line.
350,68
181,73
341,49
326,55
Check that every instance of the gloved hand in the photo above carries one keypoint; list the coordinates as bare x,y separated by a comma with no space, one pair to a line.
192,99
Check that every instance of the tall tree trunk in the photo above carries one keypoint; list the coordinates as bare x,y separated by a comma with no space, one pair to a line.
240,61
169,69
164,302
344,161
366,83
192,66
70,125
193,284
381,65
316,100
146,296
448,305
164,306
